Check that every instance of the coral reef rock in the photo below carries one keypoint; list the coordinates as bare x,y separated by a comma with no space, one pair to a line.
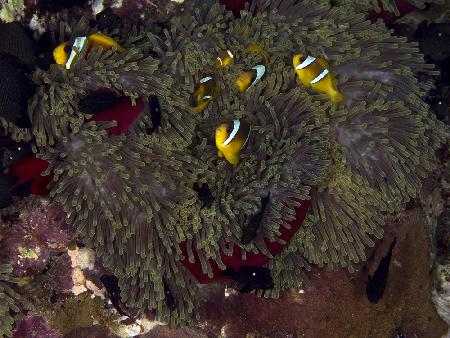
31,237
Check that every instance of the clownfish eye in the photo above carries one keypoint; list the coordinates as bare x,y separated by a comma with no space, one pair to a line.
67,49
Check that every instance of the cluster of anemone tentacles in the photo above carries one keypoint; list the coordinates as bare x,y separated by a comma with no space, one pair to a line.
8,300
131,196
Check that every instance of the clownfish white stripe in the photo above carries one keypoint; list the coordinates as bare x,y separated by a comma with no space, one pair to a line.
320,76
76,48
306,63
220,60
206,97
260,70
206,79
236,126
230,54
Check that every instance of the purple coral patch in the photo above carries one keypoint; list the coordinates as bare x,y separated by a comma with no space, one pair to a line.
35,327
30,239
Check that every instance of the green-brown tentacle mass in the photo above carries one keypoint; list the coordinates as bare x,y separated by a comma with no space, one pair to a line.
131,197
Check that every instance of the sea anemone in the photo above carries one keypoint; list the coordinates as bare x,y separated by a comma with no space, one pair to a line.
54,108
8,299
155,199
144,190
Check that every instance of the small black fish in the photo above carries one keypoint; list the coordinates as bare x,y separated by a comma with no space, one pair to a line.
111,284
17,41
16,88
251,230
204,194
107,20
97,102
10,188
251,277
170,300
155,111
377,283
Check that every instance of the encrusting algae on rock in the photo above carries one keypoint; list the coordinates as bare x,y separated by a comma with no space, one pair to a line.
163,210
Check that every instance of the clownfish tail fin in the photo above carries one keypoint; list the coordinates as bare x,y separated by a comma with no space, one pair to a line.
336,97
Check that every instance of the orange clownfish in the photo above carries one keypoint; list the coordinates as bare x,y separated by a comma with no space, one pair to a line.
64,54
248,78
231,138
224,59
203,94
315,73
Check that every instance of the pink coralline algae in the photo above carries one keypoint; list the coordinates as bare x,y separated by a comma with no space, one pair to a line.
35,327
29,238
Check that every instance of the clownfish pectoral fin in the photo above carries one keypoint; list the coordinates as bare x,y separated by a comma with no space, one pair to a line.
220,154
232,158
244,80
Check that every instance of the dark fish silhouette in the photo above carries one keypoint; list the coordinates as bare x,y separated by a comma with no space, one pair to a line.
16,88
10,188
107,20
170,300
155,111
377,283
111,284
204,194
251,278
17,41
251,230
97,102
